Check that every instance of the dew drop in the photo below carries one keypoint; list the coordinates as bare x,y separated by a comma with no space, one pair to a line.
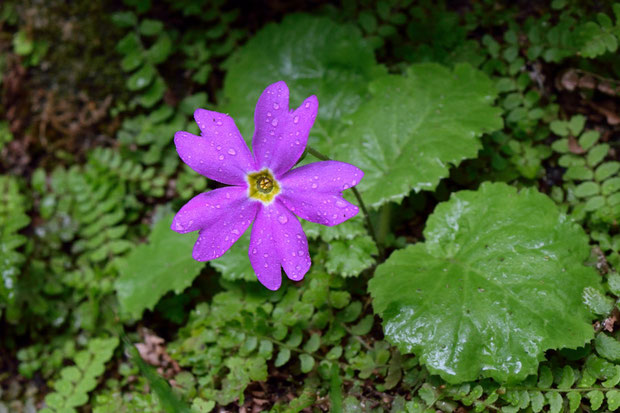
221,157
298,267
276,106
301,253
274,122
296,119
235,231
294,254
232,152
282,219
266,265
314,186
265,255
253,250
307,104
341,204
218,147
218,123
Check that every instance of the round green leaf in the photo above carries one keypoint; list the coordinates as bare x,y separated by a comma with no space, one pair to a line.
587,189
307,362
314,56
142,78
498,282
606,170
414,127
283,356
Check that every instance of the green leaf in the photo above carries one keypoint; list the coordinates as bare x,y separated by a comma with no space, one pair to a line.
151,270
142,78
153,93
576,124
608,347
613,400
606,170
596,398
128,44
314,56
610,186
415,127
555,401
597,154
283,357
149,27
313,343
559,127
307,362
124,19
574,400
160,50
350,257
578,172
598,302
588,138
490,266
22,43
587,189
168,400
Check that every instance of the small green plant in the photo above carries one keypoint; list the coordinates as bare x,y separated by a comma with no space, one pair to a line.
76,382
592,185
13,218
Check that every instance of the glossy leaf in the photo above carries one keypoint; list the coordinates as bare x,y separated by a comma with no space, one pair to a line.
151,270
314,56
499,280
415,127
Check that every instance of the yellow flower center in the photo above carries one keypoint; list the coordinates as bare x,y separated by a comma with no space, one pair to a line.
263,186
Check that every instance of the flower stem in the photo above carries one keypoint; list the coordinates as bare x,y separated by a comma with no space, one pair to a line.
371,228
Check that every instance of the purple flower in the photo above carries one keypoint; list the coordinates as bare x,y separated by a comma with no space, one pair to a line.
264,189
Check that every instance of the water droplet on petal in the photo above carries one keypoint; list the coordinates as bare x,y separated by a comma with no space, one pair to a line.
221,157
266,265
298,268
314,186
235,231
282,219
341,204
296,119
218,123
253,250
276,106
301,253
232,152
274,122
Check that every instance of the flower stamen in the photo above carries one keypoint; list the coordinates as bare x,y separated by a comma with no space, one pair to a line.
262,186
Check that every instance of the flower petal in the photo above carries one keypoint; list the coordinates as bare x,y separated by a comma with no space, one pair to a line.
220,153
277,240
281,135
221,215
314,191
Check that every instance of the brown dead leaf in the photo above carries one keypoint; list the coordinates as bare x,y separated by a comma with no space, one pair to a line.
574,147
